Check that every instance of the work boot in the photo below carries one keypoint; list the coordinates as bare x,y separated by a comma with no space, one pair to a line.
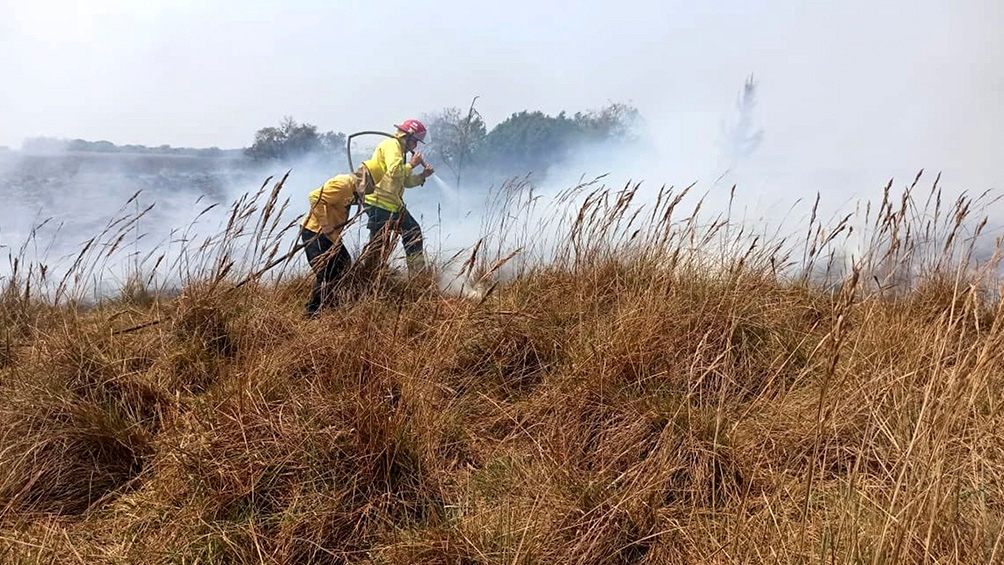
416,265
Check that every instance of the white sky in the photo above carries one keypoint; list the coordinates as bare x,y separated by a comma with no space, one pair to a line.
905,83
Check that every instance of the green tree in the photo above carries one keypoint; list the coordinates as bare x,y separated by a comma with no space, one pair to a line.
527,141
532,141
333,142
292,140
614,122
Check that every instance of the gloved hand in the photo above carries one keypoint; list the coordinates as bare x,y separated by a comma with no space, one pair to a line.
416,160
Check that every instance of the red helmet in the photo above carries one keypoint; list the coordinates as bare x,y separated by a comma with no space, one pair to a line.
413,128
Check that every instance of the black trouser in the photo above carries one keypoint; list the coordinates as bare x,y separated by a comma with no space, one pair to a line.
384,227
330,262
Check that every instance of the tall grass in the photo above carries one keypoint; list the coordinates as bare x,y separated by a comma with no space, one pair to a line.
633,382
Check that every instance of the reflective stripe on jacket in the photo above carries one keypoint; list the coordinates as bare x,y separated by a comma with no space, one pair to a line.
391,175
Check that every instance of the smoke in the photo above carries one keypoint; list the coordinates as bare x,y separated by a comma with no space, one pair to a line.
449,193
770,186
102,219
846,96
745,159
173,205
741,137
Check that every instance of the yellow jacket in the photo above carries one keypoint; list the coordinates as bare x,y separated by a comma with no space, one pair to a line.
391,175
329,206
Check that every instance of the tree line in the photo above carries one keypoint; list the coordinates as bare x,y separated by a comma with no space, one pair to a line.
56,145
524,142
459,140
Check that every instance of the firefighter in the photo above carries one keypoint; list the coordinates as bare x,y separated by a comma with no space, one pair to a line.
321,233
387,215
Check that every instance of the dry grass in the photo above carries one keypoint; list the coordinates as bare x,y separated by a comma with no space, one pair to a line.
678,394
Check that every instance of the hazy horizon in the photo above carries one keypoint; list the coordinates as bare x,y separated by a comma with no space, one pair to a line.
849,95
900,85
